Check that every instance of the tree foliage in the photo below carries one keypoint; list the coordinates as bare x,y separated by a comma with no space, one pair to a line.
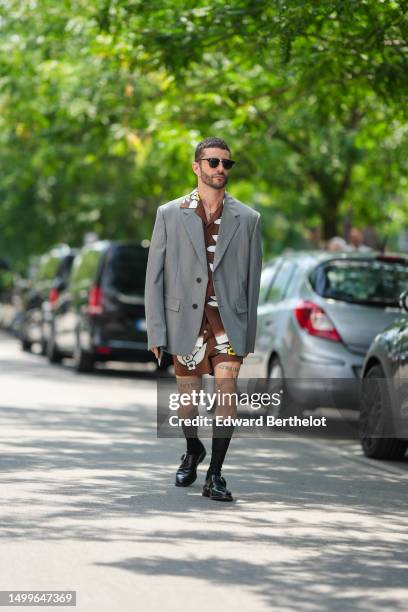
102,102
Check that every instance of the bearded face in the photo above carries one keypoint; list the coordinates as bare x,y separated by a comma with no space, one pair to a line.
217,178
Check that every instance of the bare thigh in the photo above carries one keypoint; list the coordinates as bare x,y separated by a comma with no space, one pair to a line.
187,384
226,374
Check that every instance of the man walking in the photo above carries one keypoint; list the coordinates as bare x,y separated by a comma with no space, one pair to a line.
201,296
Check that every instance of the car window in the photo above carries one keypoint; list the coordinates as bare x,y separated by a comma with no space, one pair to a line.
369,282
125,269
84,269
48,267
293,282
281,282
267,276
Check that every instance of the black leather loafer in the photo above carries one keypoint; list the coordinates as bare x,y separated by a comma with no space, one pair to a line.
187,472
215,488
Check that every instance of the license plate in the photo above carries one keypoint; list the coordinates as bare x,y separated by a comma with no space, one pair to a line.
140,324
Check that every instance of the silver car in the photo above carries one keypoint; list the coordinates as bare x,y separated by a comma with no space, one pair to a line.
318,314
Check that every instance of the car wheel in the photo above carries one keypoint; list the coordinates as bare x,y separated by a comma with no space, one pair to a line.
375,412
83,361
286,407
52,352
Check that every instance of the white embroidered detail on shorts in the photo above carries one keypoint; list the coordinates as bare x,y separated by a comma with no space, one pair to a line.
200,341
192,360
213,301
222,338
223,347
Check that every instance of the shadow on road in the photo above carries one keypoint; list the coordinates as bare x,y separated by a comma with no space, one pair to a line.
322,532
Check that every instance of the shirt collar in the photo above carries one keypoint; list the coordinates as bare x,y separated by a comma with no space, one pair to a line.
192,200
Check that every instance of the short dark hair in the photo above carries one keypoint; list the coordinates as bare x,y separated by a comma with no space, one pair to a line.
210,143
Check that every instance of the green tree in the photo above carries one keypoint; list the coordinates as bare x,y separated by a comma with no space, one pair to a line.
102,102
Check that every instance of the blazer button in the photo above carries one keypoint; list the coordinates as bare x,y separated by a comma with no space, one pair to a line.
198,280
195,306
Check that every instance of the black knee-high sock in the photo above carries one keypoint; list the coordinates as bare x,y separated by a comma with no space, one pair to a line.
194,444
219,448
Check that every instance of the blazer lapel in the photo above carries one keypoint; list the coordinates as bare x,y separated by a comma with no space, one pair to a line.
229,225
193,224
194,227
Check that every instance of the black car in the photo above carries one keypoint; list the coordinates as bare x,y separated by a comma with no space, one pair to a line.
383,421
100,316
51,271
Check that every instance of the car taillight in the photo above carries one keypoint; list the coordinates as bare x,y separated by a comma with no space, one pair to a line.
315,321
95,300
53,296
103,350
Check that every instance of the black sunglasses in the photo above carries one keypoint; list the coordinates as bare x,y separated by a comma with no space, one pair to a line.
213,162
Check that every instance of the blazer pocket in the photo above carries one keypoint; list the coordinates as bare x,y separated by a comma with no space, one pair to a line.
171,303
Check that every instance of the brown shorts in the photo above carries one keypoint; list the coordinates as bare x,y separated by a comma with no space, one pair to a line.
203,359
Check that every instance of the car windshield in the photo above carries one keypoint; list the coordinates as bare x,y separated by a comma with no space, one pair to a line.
126,269
368,282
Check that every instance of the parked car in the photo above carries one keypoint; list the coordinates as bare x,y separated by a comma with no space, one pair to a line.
8,305
51,272
100,315
58,286
318,313
383,419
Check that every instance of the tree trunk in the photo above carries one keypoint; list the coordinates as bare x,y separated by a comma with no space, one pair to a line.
330,219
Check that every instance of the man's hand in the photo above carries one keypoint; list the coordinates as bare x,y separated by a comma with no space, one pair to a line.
156,351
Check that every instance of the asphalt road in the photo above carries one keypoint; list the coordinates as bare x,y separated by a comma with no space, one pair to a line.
88,504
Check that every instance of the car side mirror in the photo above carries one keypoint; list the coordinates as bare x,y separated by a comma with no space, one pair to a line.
403,301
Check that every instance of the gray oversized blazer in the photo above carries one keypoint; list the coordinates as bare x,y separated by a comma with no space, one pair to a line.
176,278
